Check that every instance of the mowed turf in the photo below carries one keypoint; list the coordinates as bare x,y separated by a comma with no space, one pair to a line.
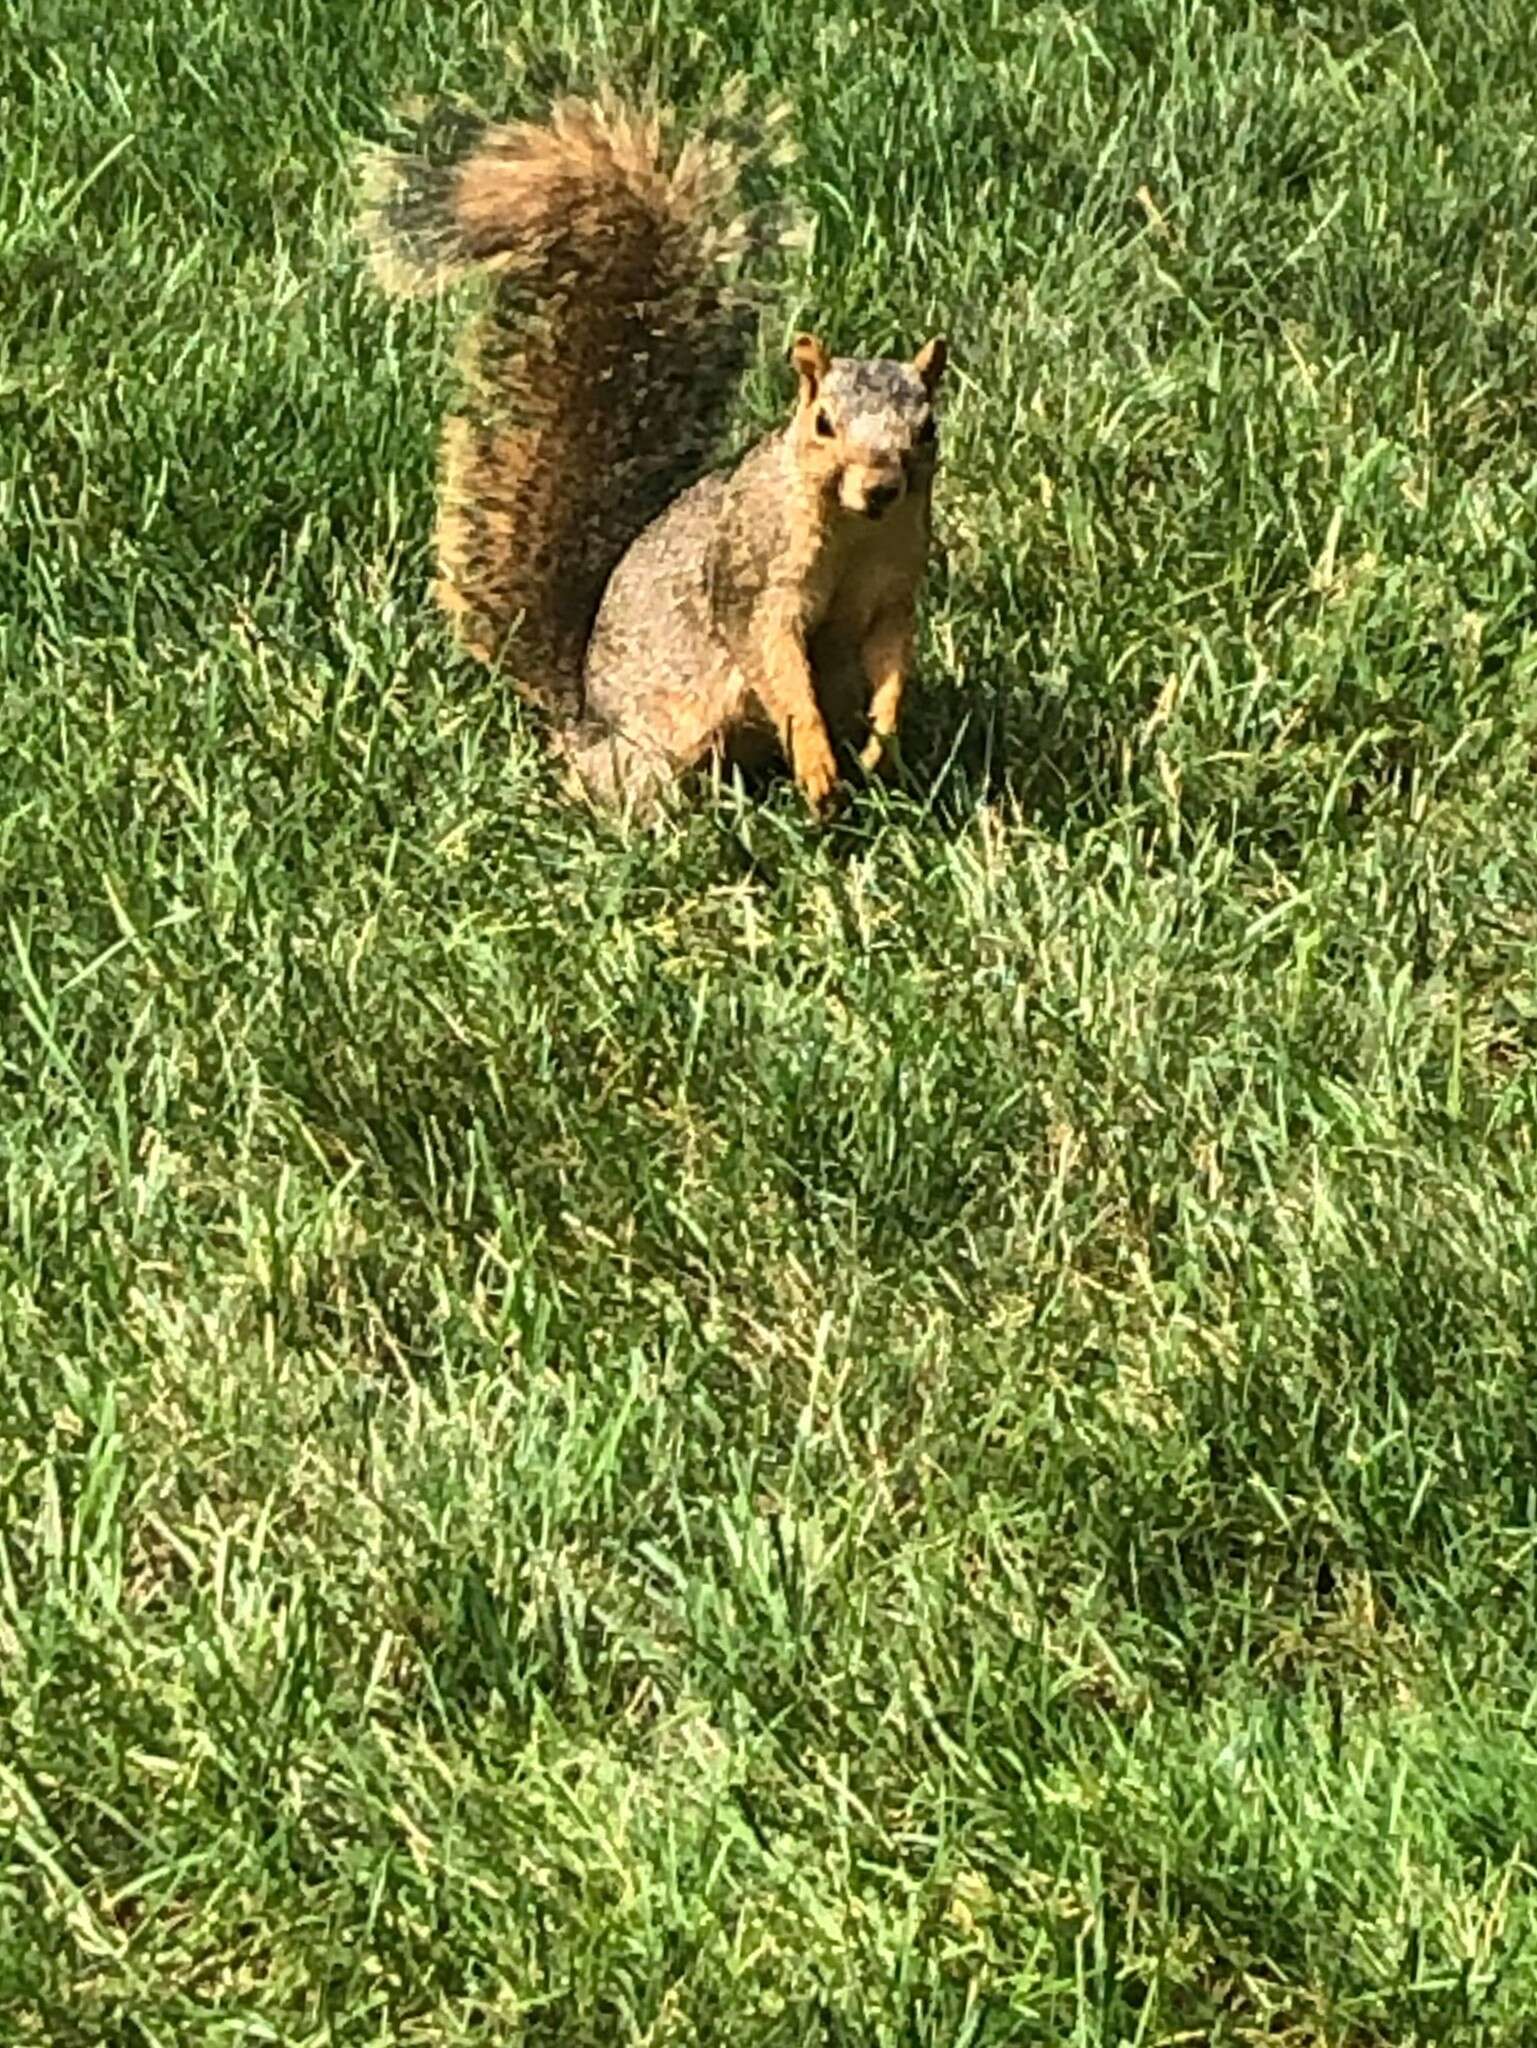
719,1434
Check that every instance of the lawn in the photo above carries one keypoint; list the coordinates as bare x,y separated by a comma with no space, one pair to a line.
912,1436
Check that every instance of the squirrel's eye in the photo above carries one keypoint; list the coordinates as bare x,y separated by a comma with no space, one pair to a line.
928,430
824,426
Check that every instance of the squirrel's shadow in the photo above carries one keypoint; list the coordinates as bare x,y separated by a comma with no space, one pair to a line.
972,747
995,727
994,737
970,742
986,729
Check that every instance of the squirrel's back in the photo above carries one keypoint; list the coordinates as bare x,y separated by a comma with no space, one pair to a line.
600,377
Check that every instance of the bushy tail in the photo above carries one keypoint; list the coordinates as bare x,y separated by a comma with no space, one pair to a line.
600,376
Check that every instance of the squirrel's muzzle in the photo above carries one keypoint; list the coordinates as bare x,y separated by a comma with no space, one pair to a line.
872,491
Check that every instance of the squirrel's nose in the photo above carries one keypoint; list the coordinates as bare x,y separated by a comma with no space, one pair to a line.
882,495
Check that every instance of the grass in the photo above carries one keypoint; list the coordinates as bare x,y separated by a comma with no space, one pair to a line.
922,1435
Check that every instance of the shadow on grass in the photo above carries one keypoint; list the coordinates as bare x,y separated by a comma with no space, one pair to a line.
973,741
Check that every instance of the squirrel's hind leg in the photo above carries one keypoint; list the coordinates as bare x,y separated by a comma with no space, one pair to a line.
614,770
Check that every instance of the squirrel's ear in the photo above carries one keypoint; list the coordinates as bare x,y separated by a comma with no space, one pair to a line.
811,362
930,362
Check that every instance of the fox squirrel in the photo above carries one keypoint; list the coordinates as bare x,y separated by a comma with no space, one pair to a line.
666,616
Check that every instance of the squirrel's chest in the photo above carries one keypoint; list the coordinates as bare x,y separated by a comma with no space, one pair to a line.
848,586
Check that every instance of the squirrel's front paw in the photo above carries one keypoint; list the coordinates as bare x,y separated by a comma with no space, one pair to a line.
881,758
817,773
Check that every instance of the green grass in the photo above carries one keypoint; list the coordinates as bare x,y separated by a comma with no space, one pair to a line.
912,1438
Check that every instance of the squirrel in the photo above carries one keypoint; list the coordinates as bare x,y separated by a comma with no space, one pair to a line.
665,614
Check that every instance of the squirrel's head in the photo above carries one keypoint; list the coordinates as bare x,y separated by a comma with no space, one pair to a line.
864,426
